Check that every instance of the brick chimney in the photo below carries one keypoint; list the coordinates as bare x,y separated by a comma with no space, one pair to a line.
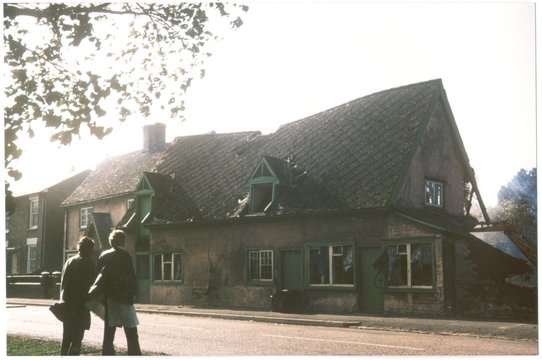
154,137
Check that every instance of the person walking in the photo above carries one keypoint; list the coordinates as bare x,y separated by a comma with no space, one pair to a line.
115,264
77,275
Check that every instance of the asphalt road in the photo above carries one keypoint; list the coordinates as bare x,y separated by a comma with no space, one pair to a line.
196,336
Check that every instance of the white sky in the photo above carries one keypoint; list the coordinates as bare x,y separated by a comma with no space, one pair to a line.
291,60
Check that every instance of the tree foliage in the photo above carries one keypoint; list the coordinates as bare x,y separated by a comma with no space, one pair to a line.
76,66
517,203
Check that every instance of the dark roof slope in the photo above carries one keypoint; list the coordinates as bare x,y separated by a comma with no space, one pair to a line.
210,174
115,176
348,157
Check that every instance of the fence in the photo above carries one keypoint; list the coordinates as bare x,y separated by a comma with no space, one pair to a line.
43,286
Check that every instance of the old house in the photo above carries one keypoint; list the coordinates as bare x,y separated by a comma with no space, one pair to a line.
35,229
363,207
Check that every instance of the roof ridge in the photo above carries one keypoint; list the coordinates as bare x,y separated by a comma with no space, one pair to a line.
256,132
437,81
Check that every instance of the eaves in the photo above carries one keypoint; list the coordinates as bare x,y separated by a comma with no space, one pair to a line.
264,218
78,203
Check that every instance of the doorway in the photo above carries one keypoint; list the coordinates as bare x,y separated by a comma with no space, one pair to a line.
291,269
143,278
371,289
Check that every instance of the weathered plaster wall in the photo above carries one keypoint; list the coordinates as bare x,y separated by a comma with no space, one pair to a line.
215,261
215,258
437,158
116,207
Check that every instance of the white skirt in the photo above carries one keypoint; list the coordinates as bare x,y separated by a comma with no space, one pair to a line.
121,314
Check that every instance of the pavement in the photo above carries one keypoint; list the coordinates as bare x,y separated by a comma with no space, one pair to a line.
456,327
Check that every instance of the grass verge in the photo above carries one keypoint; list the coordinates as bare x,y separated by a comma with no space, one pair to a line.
27,346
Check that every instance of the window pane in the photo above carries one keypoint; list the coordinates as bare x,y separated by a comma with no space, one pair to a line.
438,194
168,271
429,192
157,267
342,265
262,196
254,265
319,265
398,270
421,265
266,261
177,266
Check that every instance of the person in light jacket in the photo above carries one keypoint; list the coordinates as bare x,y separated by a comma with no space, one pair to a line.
115,264
77,276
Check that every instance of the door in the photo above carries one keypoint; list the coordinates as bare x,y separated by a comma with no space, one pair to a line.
371,289
143,278
291,269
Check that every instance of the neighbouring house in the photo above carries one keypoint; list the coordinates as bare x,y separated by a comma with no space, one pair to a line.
35,229
364,207
99,203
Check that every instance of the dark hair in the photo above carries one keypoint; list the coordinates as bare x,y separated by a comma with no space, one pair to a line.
117,238
85,246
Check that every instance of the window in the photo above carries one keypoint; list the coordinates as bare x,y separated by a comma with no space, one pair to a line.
167,267
410,265
8,224
331,265
32,258
260,265
434,193
33,216
84,217
263,185
261,197
129,203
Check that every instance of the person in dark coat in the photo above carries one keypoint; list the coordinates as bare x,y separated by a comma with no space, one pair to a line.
115,264
78,274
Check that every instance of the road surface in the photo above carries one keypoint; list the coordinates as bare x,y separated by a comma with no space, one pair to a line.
195,336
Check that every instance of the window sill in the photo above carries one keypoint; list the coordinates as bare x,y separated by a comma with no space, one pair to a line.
410,289
330,287
167,282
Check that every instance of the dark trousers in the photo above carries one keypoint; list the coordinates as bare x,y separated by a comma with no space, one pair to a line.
132,338
72,337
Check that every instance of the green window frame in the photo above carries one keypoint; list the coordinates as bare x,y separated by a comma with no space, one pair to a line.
260,265
262,188
411,265
167,267
330,265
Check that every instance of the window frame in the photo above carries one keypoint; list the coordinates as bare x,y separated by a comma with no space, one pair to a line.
408,254
33,212
88,211
259,279
330,267
433,195
31,262
161,280
262,177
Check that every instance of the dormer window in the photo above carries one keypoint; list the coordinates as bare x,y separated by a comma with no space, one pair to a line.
434,193
261,197
263,184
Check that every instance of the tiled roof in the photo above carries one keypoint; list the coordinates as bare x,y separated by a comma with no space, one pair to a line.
113,177
348,157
